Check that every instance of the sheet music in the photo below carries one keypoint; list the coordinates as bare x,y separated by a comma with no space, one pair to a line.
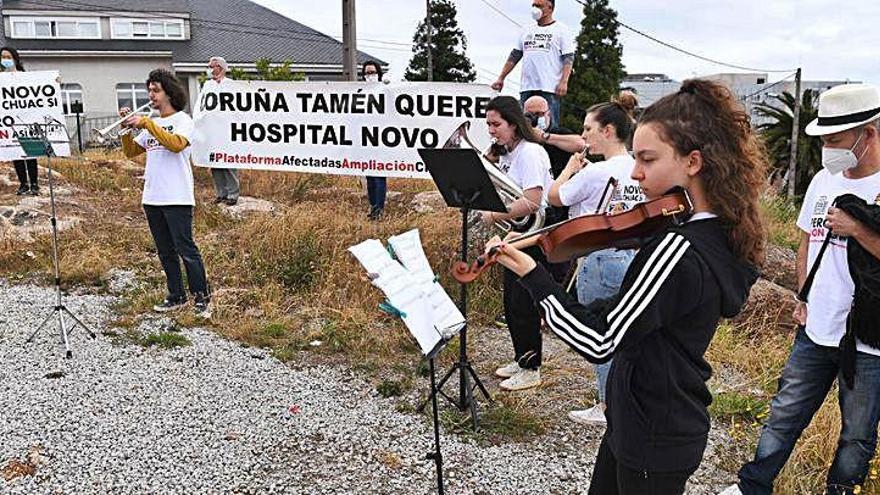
408,249
402,291
410,286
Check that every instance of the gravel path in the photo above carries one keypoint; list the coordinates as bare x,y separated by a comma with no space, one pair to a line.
215,417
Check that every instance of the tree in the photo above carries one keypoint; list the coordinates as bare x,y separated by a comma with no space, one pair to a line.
777,136
448,47
265,72
597,70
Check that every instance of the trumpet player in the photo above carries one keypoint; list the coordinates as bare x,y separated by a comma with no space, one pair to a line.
527,164
608,127
168,198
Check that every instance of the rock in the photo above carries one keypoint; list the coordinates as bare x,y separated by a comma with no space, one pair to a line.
768,308
247,205
428,201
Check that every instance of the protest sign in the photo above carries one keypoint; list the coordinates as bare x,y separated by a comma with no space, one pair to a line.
28,100
333,127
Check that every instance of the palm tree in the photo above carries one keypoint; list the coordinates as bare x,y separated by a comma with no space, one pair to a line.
777,136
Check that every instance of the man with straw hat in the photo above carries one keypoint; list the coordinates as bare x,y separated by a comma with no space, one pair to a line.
849,126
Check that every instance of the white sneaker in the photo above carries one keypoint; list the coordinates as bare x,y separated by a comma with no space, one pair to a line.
731,490
522,380
594,416
508,370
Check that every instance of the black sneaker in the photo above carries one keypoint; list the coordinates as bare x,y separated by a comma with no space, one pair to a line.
22,190
375,213
501,321
219,200
35,190
169,304
202,305
230,201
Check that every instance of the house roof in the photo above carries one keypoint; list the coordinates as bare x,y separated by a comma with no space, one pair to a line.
238,30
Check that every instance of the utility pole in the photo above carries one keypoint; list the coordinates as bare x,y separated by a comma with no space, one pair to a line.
795,131
428,25
349,41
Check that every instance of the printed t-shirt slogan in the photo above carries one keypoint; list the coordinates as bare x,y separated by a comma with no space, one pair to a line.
334,127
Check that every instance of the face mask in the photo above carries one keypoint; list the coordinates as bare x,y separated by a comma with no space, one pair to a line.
210,73
371,78
837,160
542,123
536,13
7,63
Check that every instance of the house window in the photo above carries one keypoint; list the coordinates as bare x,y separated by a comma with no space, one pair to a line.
131,95
70,93
153,28
56,27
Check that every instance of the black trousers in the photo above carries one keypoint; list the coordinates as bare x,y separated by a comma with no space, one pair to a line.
613,478
171,227
522,317
26,170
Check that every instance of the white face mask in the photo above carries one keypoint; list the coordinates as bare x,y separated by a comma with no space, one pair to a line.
837,160
7,63
371,78
536,13
210,73
542,123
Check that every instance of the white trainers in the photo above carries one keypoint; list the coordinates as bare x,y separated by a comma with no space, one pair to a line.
508,370
522,380
731,490
594,416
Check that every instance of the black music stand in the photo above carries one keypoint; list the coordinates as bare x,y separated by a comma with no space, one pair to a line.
37,145
464,184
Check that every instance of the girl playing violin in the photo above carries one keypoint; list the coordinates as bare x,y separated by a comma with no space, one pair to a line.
679,285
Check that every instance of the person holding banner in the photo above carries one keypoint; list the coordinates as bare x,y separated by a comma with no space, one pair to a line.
226,182
526,162
376,186
26,170
608,127
168,198
681,283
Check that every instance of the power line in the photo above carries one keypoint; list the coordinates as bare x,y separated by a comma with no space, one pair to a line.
501,12
767,88
682,50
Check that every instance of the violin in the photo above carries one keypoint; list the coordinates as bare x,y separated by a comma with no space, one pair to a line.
582,235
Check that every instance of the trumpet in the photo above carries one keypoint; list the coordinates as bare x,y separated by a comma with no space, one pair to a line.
508,190
114,131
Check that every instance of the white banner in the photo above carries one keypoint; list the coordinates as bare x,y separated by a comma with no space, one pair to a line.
27,100
343,128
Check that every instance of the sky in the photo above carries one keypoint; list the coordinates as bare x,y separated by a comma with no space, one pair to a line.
829,42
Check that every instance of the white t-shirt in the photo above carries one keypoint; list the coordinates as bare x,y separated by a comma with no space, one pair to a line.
168,176
832,292
543,48
583,192
528,166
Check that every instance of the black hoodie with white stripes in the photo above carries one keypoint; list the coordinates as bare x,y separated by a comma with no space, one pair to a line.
657,329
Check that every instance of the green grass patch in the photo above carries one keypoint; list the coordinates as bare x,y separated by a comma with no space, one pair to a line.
166,340
737,405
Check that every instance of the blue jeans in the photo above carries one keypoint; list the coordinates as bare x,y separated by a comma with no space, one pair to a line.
552,101
806,380
376,188
600,277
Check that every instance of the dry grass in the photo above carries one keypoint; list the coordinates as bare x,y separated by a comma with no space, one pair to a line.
283,281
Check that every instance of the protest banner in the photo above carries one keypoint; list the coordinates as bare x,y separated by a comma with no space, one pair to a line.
29,99
334,127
